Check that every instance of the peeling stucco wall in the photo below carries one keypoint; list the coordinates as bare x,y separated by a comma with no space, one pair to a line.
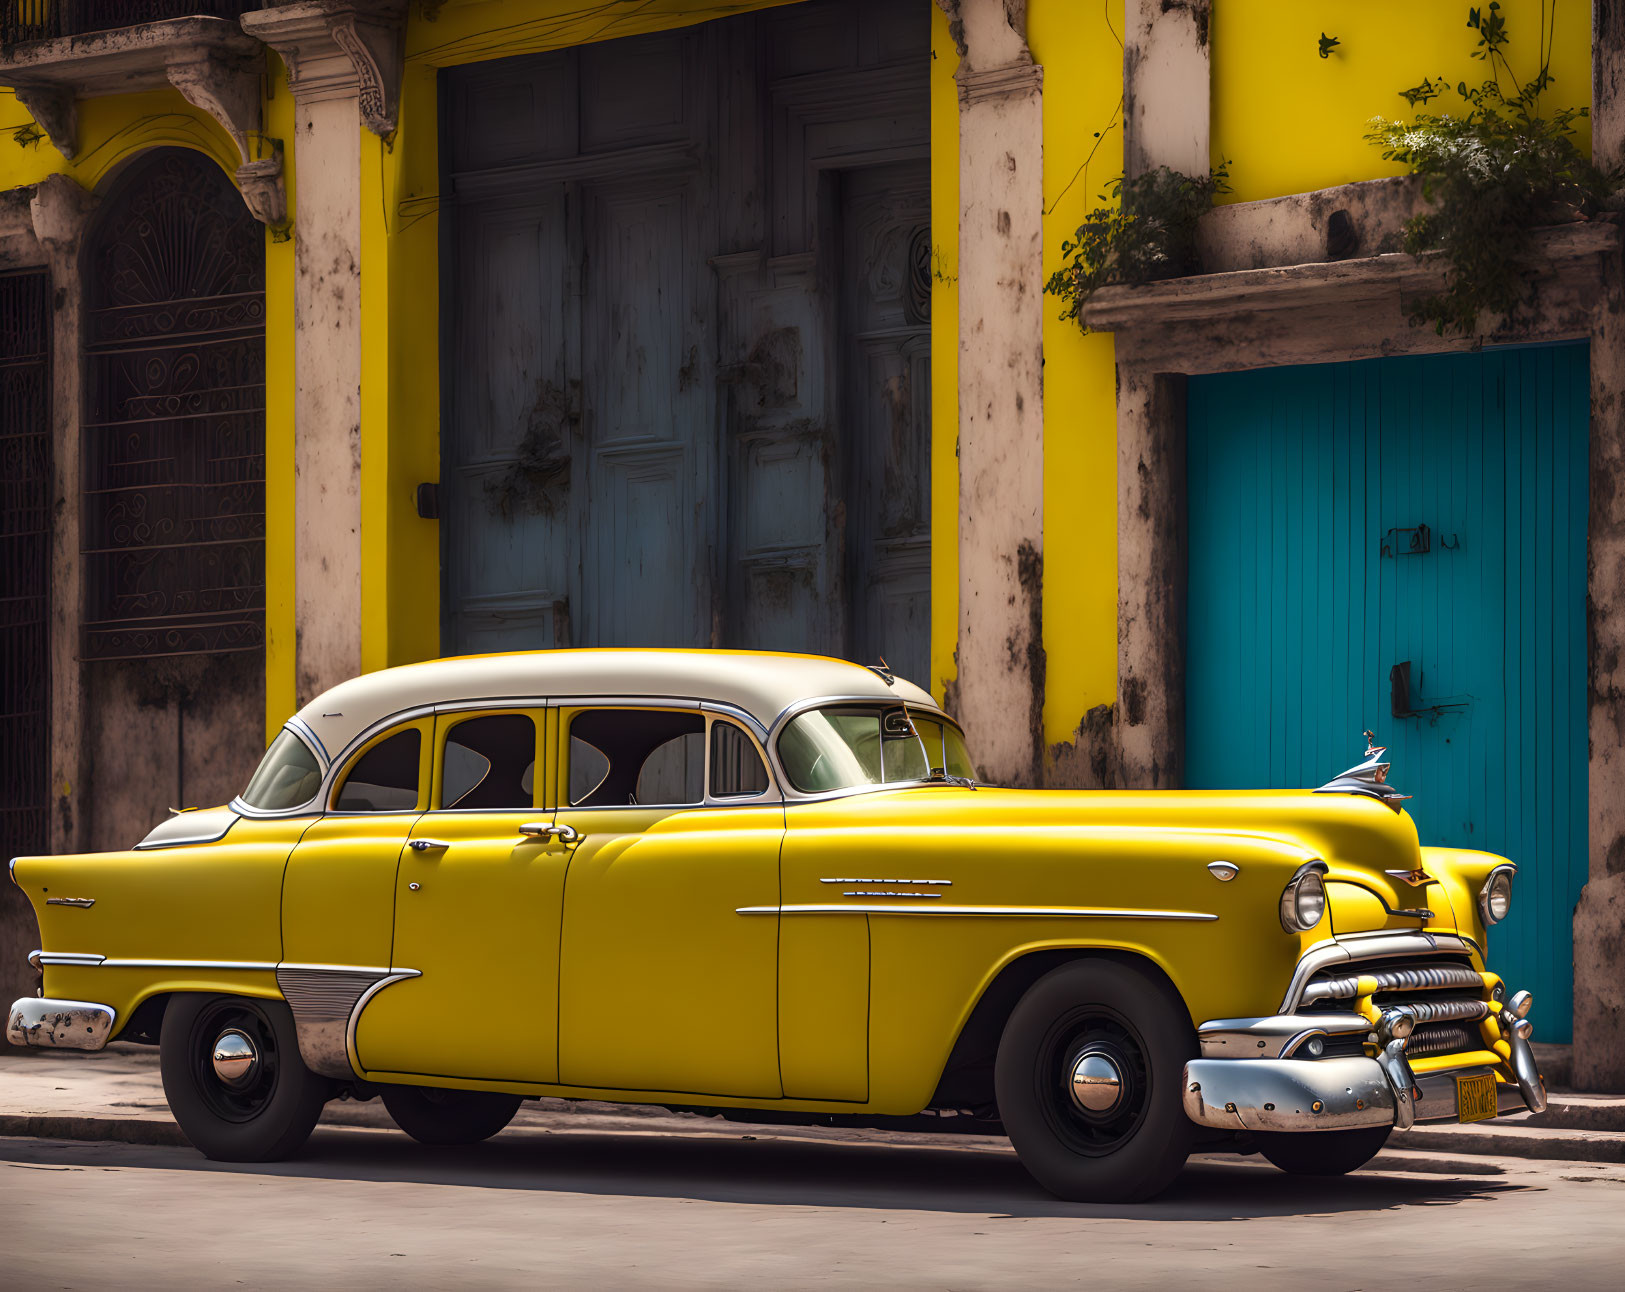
327,395
1599,919
1001,426
1166,100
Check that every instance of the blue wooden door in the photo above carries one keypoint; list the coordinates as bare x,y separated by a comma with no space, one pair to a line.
1312,577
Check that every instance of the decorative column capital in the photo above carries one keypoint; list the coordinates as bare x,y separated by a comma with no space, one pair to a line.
337,49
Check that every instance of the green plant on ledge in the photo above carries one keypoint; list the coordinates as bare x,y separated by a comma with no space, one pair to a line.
1149,234
1491,176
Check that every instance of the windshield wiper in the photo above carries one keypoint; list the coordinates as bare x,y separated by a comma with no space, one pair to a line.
940,777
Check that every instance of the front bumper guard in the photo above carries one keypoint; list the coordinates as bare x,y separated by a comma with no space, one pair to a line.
39,1021
1275,1093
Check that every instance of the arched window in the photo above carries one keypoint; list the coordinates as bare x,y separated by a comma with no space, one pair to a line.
174,415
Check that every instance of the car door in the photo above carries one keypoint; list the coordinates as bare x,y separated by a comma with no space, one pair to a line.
338,888
668,971
477,905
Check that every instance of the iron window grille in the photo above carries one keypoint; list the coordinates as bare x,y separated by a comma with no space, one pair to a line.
174,440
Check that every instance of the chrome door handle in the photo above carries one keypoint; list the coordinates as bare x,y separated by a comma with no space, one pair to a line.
543,830
424,845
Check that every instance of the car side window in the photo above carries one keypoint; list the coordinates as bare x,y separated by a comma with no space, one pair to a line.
622,757
385,778
737,770
490,763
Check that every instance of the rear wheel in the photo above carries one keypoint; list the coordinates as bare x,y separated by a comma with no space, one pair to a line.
234,1079
432,1115
1323,1152
1088,1077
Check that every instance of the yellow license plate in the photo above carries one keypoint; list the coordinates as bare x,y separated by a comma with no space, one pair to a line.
1475,1097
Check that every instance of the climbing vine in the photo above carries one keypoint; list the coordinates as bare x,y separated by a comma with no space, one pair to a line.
1492,173
1148,233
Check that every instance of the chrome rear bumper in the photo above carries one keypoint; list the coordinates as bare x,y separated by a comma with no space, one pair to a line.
59,1024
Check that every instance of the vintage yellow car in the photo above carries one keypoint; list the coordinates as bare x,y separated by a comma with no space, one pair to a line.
769,887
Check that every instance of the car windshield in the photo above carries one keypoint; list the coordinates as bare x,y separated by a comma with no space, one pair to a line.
287,777
848,746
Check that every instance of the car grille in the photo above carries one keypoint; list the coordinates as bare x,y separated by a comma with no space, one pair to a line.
1445,997
1442,1038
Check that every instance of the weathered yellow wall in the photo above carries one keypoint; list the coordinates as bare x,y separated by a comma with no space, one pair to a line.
1290,121
1286,119
280,697
1082,57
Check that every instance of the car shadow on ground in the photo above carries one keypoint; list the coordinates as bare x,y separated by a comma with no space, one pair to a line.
785,1172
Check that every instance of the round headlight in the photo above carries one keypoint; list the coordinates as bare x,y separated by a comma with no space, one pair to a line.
1495,898
1303,902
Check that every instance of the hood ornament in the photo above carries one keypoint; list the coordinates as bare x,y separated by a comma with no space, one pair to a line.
1369,777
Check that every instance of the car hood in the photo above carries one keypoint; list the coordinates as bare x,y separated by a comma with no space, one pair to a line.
1378,875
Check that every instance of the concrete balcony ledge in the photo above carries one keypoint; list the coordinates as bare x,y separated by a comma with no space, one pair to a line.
1305,313
125,59
213,63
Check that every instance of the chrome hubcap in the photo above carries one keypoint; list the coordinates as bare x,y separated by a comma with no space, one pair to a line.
1097,1082
234,1057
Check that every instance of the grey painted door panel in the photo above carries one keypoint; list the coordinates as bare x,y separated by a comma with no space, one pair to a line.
663,390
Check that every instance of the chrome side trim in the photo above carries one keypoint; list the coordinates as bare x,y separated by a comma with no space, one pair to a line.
38,958
42,1023
942,883
322,1001
251,966
1004,912
90,959
881,892
1366,946
84,903
353,1055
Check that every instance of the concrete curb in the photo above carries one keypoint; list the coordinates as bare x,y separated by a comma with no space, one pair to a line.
1514,1141
124,1130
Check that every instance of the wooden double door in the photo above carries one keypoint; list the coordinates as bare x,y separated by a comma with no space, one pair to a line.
686,354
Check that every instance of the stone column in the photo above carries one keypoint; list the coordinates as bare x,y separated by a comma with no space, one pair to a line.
1167,83
1166,122
1599,919
1000,691
344,64
60,210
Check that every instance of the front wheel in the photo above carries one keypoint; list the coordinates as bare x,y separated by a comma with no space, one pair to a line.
432,1115
1323,1152
234,1079
1088,1082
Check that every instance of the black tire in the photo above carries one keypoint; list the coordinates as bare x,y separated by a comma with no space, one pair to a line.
1323,1152
271,1113
432,1115
1134,1149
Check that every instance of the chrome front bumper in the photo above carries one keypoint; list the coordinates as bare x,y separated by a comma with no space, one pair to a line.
59,1024
1274,1092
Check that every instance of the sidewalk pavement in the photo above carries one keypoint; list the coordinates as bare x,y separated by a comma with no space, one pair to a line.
117,1094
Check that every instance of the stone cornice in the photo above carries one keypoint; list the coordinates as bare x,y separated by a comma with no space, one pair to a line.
339,50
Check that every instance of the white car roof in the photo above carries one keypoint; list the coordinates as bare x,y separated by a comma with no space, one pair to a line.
762,683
